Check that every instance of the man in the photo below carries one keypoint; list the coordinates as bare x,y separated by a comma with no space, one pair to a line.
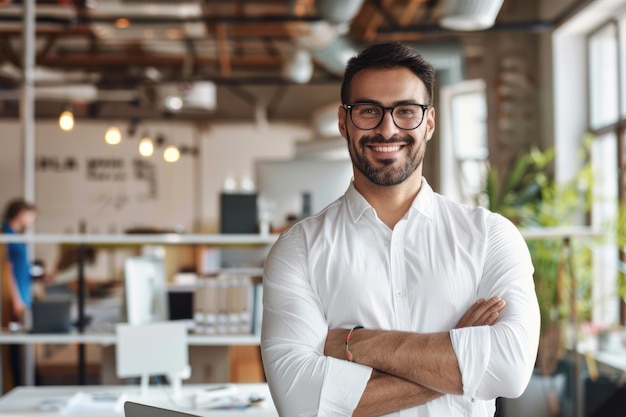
427,278
18,216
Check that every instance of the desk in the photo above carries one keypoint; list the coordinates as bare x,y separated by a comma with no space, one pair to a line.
115,240
201,345
24,401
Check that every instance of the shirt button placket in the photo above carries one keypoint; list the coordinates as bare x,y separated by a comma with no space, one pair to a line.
397,274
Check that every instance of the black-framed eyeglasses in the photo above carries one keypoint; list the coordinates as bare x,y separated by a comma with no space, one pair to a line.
368,116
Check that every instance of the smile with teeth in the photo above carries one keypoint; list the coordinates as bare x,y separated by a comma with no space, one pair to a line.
382,149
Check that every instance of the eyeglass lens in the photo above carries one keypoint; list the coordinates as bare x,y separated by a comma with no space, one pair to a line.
369,116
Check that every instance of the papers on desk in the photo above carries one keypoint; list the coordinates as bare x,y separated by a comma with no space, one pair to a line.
83,402
220,397
224,397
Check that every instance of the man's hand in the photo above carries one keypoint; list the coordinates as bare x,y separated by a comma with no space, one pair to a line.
18,309
482,313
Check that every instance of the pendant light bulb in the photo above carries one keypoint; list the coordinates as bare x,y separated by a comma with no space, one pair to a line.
113,136
171,154
146,147
66,120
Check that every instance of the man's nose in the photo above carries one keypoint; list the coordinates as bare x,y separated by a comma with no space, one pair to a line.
387,128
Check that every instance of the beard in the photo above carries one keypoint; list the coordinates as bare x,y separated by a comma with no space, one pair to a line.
387,174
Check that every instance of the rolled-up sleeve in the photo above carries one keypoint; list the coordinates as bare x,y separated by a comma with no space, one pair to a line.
303,381
497,361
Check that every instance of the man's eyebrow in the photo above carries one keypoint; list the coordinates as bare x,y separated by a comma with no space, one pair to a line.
370,101
366,101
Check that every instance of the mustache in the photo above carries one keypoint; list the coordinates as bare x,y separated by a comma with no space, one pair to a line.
378,139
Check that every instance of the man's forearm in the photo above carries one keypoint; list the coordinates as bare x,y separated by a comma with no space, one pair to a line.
386,394
424,359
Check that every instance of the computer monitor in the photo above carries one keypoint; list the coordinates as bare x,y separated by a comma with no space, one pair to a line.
153,349
146,290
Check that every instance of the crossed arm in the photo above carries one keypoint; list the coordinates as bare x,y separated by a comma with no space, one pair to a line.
402,379
309,375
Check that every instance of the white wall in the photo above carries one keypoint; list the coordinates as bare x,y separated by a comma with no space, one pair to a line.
11,175
118,198
187,192
233,148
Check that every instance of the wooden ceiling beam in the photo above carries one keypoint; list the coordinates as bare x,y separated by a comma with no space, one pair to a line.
50,42
9,53
302,7
240,8
222,50
409,11
371,28
123,60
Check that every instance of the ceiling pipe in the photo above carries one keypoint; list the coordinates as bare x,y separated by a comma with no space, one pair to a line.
538,26
334,11
162,20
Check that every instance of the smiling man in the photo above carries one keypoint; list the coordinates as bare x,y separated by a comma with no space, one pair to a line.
394,299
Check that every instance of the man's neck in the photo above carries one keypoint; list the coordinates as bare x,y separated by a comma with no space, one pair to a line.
390,202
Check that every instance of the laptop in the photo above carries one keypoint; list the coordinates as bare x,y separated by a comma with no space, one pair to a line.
132,409
52,315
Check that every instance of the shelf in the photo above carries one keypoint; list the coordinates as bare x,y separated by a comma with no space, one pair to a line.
144,239
7,338
239,239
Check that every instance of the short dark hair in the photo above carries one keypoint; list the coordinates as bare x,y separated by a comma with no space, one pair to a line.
15,207
386,56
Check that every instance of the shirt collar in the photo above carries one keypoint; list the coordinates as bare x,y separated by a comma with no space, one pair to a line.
423,202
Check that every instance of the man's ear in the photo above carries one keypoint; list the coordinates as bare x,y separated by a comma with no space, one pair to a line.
341,121
430,122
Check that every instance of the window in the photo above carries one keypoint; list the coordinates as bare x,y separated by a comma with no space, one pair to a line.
603,77
622,67
464,132
603,210
607,117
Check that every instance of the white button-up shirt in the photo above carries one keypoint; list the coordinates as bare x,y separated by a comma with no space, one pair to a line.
345,267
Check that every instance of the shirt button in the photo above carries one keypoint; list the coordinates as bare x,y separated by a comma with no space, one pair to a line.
398,293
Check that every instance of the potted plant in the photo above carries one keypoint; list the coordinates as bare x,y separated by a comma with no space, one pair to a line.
530,197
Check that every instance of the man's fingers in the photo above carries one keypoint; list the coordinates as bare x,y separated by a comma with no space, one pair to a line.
482,312
492,309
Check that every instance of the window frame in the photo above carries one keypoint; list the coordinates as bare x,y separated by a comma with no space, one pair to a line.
616,127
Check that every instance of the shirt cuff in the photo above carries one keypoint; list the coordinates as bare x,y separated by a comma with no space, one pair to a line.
344,383
472,346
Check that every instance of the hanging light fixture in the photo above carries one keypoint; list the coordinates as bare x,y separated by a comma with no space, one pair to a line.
66,120
298,66
113,135
146,147
469,15
171,153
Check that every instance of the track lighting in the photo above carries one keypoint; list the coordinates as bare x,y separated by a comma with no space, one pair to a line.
66,120
113,135
171,153
146,147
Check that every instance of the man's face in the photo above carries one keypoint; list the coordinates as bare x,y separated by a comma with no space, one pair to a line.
26,218
387,155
